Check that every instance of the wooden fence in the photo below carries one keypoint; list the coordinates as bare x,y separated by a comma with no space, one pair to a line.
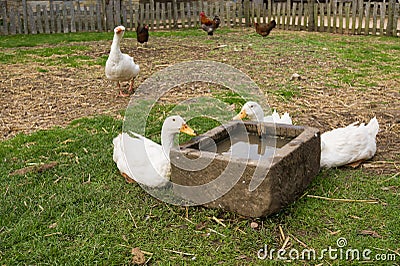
337,16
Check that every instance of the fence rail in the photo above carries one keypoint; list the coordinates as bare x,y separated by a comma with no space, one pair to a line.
336,16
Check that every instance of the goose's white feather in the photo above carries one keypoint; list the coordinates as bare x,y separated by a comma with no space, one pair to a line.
255,112
346,145
142,159
120,66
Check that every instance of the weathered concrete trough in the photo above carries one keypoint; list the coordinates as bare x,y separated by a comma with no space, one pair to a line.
206,175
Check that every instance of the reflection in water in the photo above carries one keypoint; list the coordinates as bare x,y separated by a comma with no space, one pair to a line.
251,146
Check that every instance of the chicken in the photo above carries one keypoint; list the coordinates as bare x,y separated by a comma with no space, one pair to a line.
120,66
265,29
209,25
142,32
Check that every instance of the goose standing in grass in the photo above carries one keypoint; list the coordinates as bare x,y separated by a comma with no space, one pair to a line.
119,66
349,145
254,112
144,161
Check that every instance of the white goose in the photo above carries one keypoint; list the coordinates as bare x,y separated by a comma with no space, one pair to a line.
255,113
120,66
349,145
341,146
145,161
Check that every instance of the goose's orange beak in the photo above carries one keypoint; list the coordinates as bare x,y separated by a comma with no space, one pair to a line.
240,116
187,130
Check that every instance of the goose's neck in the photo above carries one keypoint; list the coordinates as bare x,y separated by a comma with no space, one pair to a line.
259,115
167,142
115,47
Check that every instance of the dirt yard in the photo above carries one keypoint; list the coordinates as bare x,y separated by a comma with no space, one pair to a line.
33,100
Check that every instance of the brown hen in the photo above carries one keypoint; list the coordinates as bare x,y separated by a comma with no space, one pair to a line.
265,29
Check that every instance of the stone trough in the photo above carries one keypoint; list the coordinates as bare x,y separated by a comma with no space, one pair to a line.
271,172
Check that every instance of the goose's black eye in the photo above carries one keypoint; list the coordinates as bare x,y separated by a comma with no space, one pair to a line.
173,119
251,106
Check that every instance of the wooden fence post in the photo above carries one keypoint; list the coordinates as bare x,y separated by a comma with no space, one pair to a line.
367,18
374,18
157,22
311,20
347,9
5,22
64,18
182,14
52,18
25,17
389,27
117,13
220,12
78,16
175,9
104,14
13,18
72,10
151,16
129,15
396,17
91,14
169,15
39,18
341,17
240,13
270,10
360,15
246,13
228,14
32,24
124,17
100,15
353,16
46,19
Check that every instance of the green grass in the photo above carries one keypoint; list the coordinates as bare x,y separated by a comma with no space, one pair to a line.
287,92
50,56
81,212
32,40
359,56
78,212
65,52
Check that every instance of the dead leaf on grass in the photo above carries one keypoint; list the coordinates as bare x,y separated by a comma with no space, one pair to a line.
34,168
53,225
241,257
355,164
138,256
201,226
370,233
390,188
254,225
128,179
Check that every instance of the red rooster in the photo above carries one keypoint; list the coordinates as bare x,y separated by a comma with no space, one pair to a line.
209,25
265,29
